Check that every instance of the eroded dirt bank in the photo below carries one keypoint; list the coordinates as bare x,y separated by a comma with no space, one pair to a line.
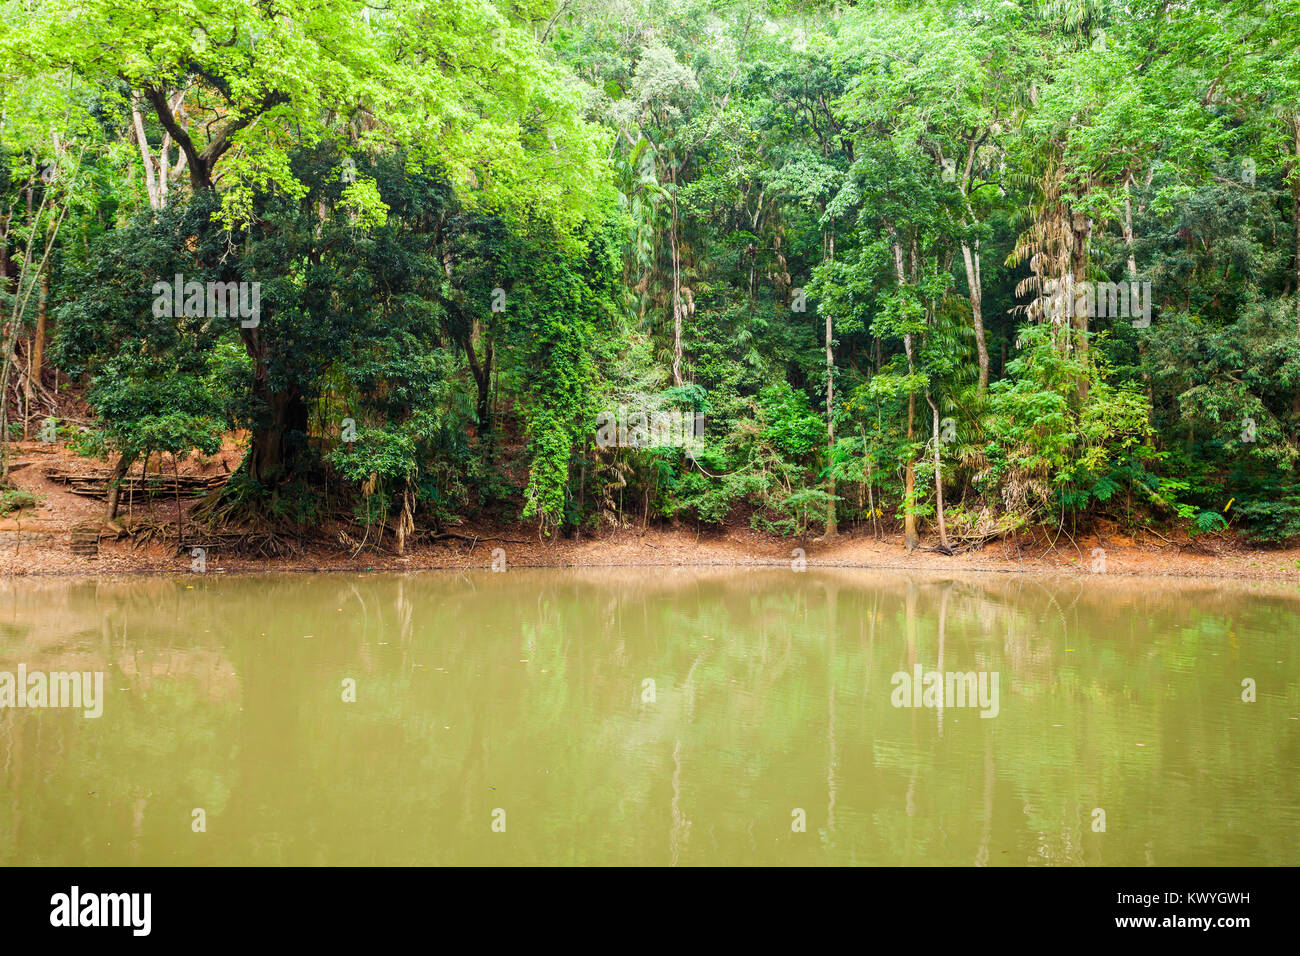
41,541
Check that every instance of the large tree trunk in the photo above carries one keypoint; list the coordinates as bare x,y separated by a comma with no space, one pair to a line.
272,453
203,162
272,456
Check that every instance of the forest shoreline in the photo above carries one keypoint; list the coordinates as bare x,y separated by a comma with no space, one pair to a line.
36,548
42,542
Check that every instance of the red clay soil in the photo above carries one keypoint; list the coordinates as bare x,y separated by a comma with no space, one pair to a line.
37,541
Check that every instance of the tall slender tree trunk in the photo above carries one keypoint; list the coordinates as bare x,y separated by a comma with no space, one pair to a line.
123,465
150,180
910,537
871,501
22,294
1080,227
483,404
938,478
38,342
970,253
482,373
831,528
27,390
406,518
971,258
469,343
1127,229
677,287
1295,193
1294,174
180,512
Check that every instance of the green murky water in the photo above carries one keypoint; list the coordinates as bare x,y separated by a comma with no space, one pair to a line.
651,717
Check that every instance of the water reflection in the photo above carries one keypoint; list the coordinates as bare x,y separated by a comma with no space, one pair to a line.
771,701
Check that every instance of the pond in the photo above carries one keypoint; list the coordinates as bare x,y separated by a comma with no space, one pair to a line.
649,717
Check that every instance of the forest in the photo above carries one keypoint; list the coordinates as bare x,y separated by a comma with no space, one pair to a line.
944,269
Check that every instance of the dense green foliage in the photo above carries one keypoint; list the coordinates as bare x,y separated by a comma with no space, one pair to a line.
839,236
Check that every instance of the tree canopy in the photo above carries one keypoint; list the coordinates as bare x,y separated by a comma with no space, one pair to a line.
946,267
